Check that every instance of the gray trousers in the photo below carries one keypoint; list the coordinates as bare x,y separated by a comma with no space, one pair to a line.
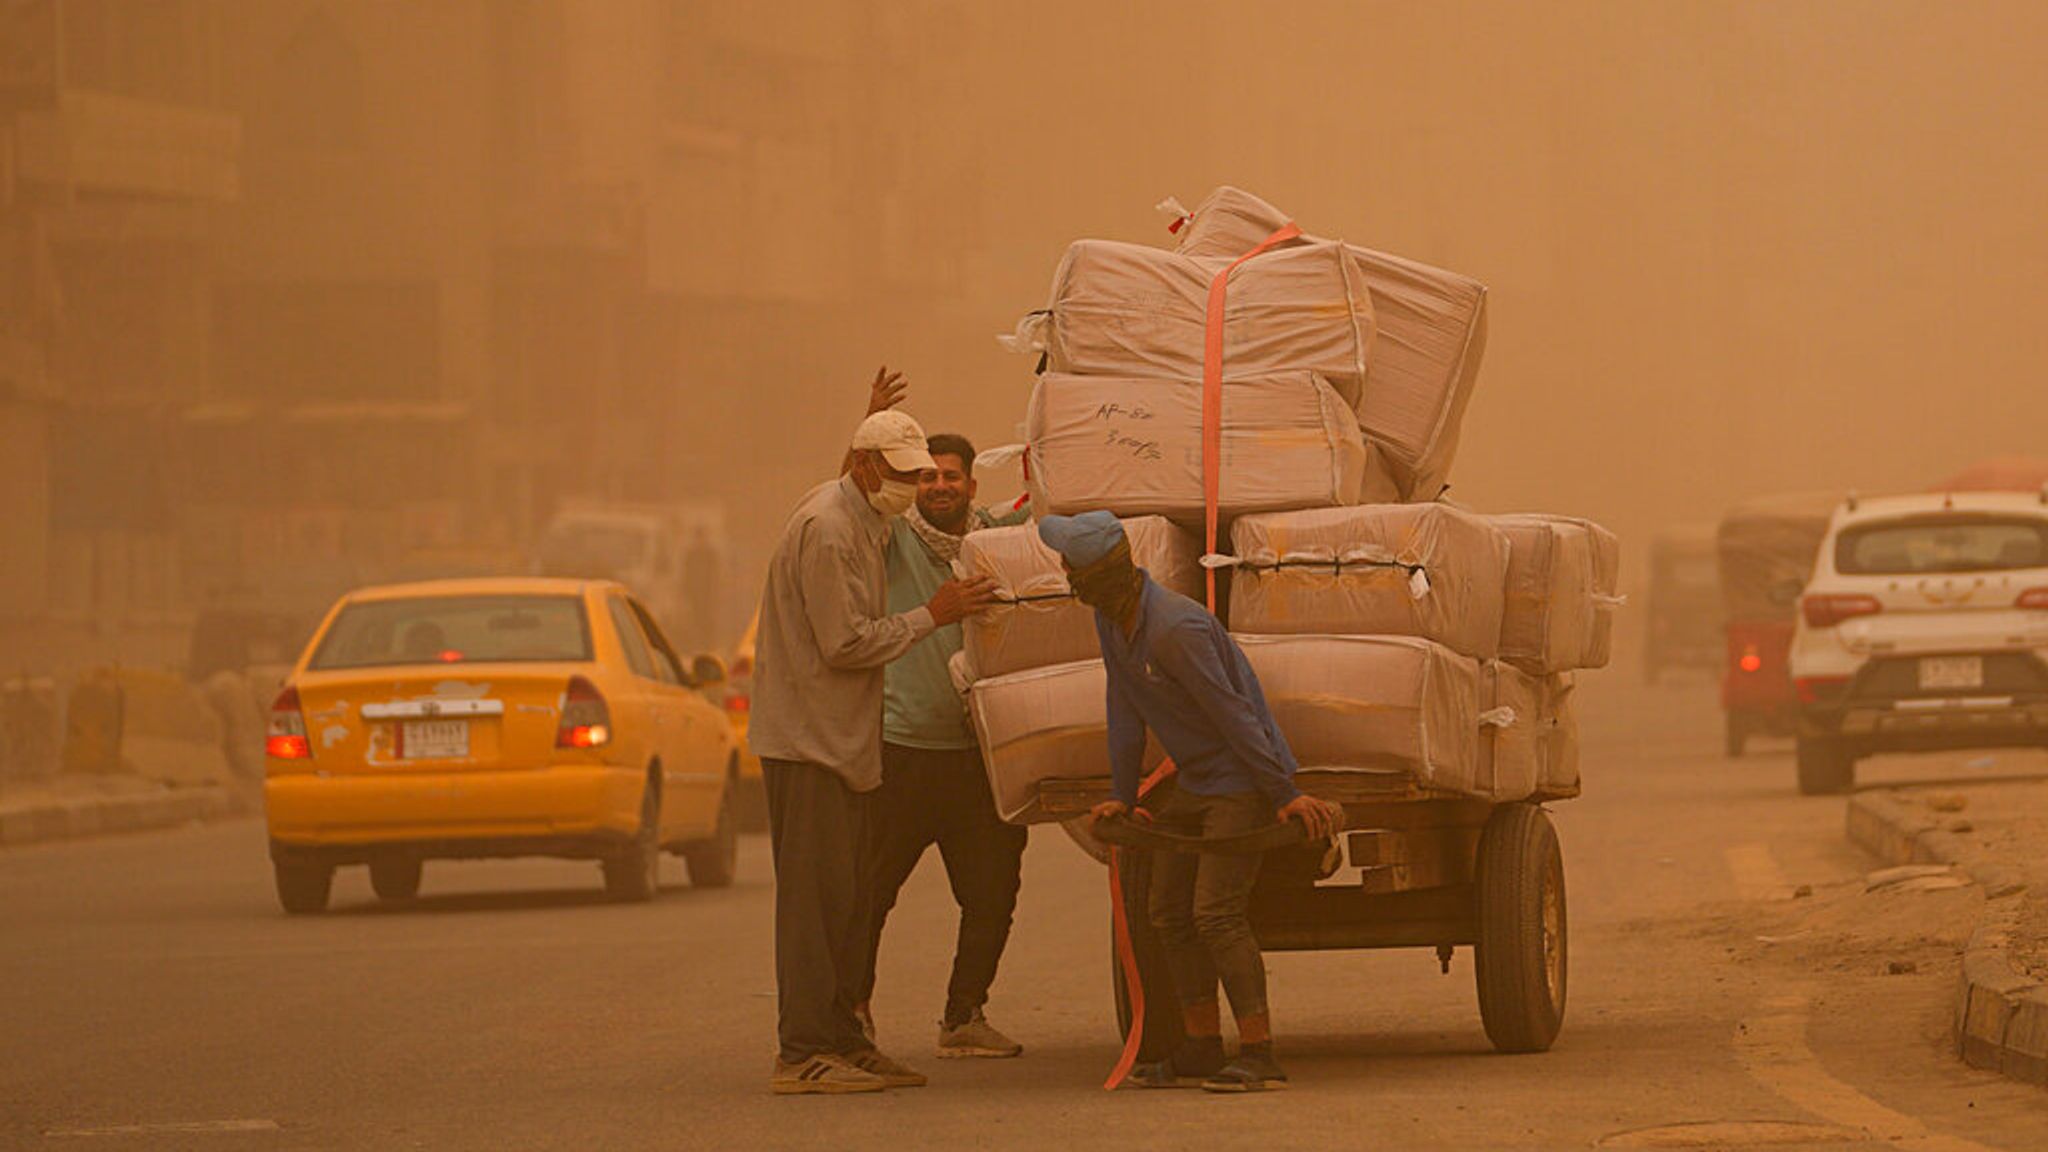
818,828
1201,904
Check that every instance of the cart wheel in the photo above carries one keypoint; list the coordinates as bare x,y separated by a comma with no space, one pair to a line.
1734,734
1520,958
1162,1008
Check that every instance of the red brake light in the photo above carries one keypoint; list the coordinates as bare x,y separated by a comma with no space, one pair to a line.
738,702
286,738
586,720
2036,598
449,656
1827,609
1750,662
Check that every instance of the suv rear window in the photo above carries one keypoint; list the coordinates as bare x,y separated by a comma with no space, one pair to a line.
1942,544
455,630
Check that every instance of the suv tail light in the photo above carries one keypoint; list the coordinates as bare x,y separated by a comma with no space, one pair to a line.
1821,689
286,739
586,720
1826,609
2034,598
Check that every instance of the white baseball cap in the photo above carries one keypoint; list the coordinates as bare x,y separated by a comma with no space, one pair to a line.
899,439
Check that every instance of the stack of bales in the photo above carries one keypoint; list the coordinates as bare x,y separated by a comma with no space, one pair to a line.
1389,631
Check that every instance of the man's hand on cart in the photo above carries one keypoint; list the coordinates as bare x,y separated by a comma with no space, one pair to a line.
1320,817
1111,809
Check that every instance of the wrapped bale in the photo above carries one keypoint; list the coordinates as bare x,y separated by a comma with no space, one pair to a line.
1036,620
1513,746
1429,336
1043,724
1561,594
1424,570
1379,704
1560,734
1132,310
1133,446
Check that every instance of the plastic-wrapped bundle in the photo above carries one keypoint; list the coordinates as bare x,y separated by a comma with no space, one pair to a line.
1424,570
1430,333
1561,593
1382,703
1131,310
1043,724
1512,750
1560,775
1036,620
1133,445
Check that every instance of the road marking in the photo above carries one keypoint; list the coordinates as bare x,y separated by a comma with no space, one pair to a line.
1734,1134
1757,876
186,1127
1773,1050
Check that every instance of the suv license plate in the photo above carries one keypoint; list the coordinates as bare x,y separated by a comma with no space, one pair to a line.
1940,673
434,739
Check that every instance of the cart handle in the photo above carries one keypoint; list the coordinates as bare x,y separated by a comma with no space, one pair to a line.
1125,832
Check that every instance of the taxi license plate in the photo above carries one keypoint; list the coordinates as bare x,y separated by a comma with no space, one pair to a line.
1939,673
434,739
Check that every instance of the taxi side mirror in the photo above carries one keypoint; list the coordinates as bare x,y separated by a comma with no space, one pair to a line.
707,671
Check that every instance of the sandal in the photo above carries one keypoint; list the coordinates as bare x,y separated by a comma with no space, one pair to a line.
1247,1074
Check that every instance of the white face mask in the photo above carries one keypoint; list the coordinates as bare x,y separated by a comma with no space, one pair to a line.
895,498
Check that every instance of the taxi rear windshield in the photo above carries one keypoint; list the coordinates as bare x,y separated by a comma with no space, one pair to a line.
1945,544
455,630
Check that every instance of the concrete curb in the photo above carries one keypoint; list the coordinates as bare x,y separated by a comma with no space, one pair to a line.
70,819
2001,1013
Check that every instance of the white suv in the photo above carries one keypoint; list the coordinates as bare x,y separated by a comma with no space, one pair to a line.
1925,627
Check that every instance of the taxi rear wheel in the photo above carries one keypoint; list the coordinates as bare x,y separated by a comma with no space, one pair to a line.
714,862
396,878
634,873
303,888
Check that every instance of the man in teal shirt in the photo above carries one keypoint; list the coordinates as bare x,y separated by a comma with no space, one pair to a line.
934,790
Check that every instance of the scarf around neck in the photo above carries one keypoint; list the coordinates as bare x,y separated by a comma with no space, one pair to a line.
943,544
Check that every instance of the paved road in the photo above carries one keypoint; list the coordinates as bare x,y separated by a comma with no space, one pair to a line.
152,996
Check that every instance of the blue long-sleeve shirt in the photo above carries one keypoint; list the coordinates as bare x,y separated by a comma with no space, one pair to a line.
1181,676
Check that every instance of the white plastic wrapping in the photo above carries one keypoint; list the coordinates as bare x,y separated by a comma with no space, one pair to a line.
1430,333
1133,446
1561,593
1512,755
1043,724
1560,739
1131,310
1424,570
1377,703
1036,620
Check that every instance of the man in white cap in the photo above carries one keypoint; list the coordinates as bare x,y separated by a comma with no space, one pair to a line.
824,640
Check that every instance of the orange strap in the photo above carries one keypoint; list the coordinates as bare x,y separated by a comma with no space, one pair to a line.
1212,396
1212,487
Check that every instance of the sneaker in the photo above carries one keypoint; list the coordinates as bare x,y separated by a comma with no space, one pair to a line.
823,1075
1251,1071
977,1037
892,1072
866,1016
1190,1064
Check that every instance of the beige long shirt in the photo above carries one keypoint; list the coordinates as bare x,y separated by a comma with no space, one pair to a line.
826,634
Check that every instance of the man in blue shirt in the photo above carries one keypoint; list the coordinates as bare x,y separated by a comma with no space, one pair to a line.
1174,670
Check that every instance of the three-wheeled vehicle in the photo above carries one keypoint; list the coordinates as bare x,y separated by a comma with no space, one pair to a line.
1684,628
1413,868
1766,549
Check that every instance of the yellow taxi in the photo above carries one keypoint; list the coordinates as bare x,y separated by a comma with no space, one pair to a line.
462,719
752,801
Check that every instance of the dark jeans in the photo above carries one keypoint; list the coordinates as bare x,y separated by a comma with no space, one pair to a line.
941,797
818,828
1200,903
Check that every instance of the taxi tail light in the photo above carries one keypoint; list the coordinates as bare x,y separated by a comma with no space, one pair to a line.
2034,598
1827,609
586,719
286,738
